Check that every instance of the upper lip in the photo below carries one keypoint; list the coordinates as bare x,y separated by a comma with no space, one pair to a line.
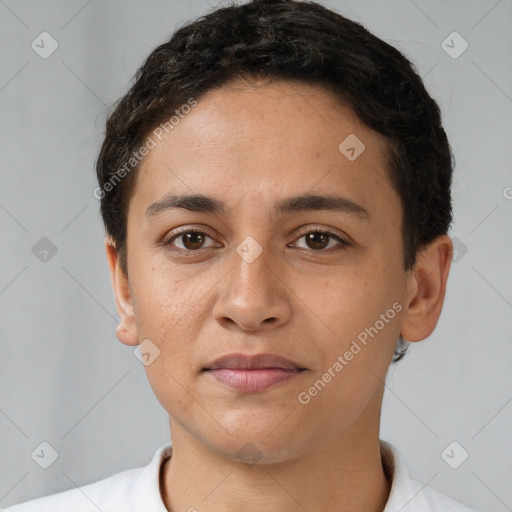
252,362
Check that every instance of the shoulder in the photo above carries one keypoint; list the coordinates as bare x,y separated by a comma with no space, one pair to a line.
115,489
408,495
431,500
133,489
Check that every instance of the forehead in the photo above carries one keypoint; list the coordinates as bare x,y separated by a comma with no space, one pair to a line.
263,140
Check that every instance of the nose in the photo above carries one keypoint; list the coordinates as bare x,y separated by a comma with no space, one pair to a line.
253,296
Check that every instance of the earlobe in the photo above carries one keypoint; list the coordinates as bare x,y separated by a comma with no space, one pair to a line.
125,336
427,287
126,331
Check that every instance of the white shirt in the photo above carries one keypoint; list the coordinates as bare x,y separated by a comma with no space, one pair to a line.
138,490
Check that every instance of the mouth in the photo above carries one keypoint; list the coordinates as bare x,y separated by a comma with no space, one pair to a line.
253,373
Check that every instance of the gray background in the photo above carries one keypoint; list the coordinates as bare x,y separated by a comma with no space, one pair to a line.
64,377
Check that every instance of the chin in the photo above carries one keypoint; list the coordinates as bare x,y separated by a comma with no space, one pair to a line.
263,442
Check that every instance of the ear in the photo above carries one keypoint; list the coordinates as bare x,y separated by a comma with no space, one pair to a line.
127,329
426,289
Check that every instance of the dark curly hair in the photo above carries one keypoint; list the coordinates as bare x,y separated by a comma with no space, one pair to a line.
299,41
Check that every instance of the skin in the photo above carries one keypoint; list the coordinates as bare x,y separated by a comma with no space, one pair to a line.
252,146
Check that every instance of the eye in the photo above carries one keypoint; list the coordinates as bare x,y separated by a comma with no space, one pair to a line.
321,239
191,240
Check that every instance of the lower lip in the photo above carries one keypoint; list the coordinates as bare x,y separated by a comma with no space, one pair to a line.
253,380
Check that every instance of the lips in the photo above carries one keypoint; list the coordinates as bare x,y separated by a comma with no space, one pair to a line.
253,362
253,373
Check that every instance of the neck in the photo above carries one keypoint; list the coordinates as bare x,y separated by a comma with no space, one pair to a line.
343,476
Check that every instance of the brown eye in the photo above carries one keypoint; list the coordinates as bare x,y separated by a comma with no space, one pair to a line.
193,241
318,240
189,240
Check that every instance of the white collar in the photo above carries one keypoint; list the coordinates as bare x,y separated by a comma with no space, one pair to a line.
406,495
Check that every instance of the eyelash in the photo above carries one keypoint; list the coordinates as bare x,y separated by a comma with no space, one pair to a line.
167,242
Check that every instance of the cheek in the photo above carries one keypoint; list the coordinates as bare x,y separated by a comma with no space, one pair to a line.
359,347
174,390
353,299
167,312
362,309
161,299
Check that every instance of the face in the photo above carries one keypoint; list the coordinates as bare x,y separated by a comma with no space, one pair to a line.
255,269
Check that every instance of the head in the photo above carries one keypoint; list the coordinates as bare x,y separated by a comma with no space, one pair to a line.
264,115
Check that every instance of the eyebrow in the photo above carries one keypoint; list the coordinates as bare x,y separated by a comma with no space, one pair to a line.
305,202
